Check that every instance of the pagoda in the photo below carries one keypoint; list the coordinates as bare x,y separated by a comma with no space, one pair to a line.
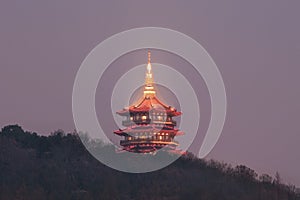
149,124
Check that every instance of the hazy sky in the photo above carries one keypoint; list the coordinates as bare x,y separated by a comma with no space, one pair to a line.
255,44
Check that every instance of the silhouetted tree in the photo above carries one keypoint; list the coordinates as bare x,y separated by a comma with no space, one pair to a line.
59,167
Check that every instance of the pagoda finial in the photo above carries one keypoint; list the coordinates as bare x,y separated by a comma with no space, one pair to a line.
149,89
149,67
149,57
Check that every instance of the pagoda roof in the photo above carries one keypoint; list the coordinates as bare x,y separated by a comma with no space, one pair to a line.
147,104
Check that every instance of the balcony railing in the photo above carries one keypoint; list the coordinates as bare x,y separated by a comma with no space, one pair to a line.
147,121
148,141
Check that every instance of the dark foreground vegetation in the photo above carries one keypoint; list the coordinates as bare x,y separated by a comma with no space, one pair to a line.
59,167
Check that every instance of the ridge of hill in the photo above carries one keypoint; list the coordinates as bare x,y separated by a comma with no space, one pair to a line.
59,167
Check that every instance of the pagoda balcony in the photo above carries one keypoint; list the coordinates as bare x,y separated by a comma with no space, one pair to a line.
148,121
148,141
132,122
172,122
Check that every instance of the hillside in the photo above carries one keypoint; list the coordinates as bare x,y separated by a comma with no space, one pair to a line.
59,167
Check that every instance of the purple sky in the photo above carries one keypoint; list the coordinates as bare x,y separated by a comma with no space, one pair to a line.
256,45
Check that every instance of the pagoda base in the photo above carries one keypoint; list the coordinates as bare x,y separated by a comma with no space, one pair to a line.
146,147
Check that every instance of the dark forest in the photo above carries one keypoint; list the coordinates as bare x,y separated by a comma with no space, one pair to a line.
59,167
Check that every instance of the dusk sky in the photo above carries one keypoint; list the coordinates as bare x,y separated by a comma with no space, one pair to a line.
255,44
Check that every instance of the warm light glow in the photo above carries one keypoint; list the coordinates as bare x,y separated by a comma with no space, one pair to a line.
149,92
149,89
149,56
149,67
144,117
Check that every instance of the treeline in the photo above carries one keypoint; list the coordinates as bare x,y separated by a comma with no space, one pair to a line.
59,167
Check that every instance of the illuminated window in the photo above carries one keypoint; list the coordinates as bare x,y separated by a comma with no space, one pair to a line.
144,117
159,117
160,137
131,118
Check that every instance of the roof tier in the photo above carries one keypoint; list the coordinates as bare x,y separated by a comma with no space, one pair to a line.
150,104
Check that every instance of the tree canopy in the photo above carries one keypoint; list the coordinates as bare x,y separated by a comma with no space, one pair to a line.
59,167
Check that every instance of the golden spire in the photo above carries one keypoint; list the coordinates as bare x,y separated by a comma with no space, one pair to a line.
149,57
149,89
